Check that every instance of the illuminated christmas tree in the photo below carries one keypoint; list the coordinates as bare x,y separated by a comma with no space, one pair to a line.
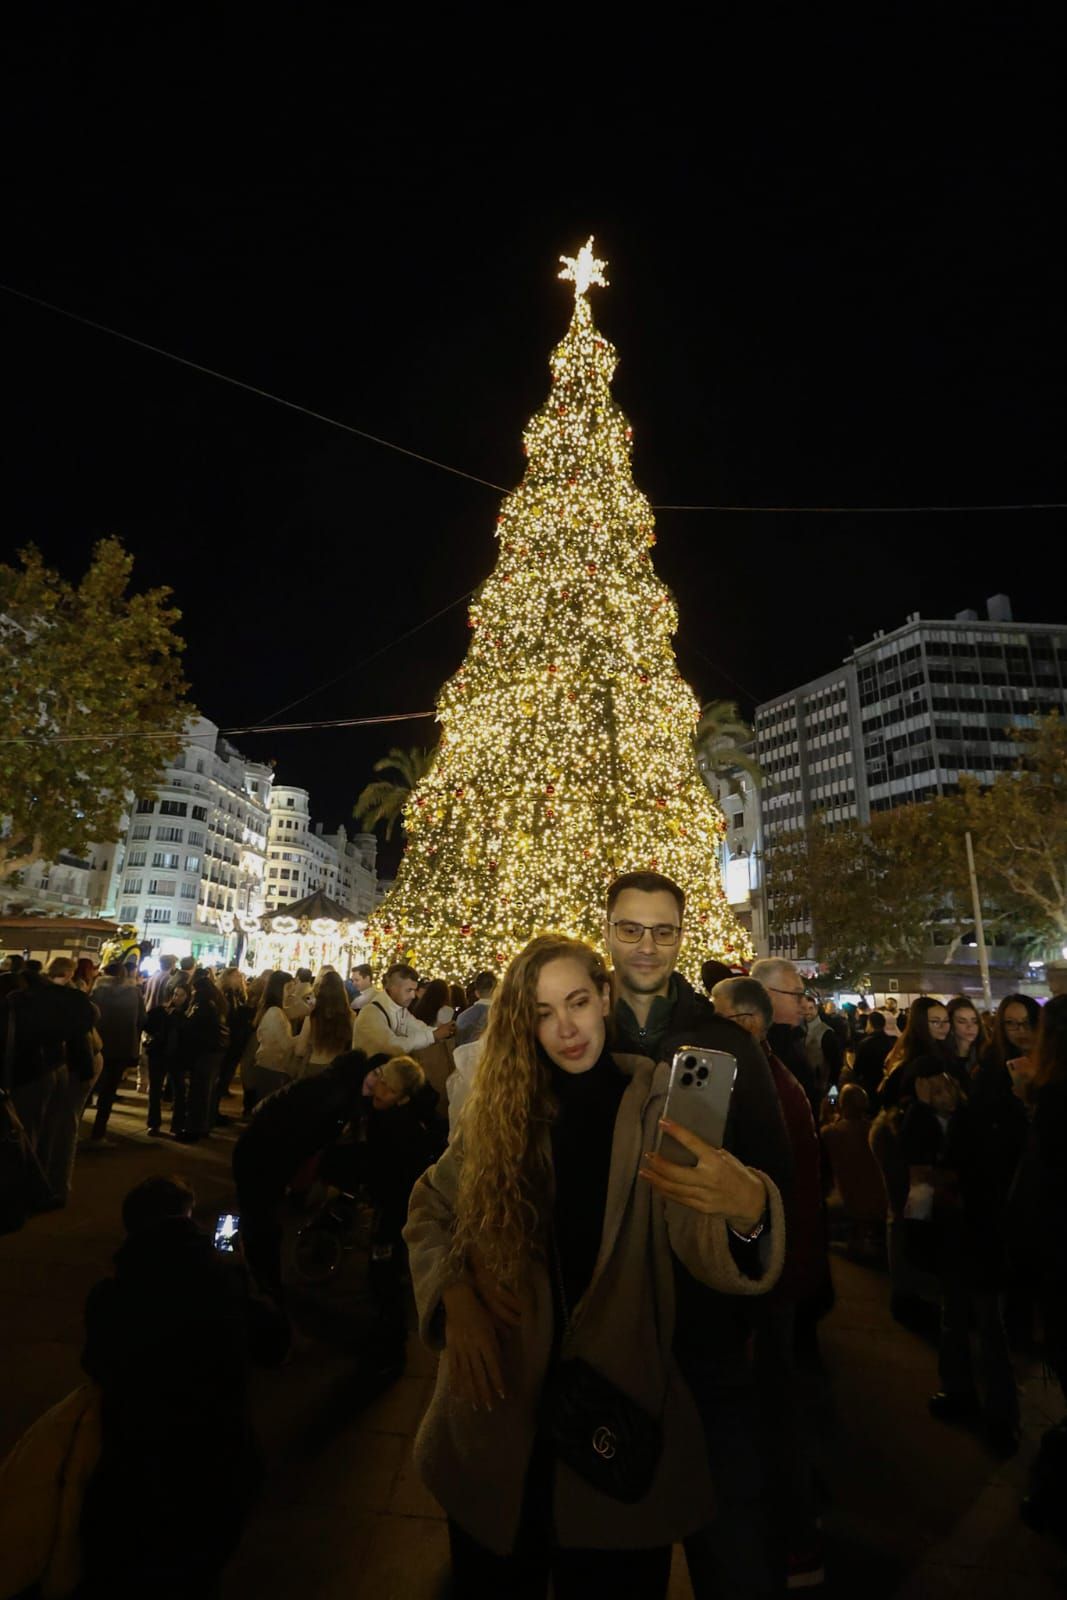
566,750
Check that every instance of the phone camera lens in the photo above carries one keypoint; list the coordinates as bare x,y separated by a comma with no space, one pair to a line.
702,1073
690,1062
687,1080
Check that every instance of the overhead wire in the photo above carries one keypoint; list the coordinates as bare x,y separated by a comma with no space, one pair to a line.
459,472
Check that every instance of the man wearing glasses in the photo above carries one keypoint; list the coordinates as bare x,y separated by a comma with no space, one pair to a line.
785,1036
656,1012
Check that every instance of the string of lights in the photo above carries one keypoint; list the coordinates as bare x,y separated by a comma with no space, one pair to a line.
472,477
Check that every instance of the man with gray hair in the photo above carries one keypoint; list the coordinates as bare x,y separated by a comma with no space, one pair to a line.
785,1035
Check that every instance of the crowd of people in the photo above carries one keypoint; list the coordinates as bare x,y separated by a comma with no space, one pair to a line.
629,1343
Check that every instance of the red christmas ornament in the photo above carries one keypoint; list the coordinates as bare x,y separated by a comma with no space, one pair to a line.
465,930
550,788
493,865
590,567
660,803
644,677
459,794
553,669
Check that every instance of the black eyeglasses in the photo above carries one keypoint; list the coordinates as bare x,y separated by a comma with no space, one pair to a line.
794,994
633,932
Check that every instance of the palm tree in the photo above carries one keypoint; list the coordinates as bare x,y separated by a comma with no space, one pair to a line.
384,801
721,743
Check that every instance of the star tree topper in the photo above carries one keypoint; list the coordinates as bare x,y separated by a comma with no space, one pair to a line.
584,269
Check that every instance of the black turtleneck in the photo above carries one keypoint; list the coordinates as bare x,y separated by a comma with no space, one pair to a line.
581,1154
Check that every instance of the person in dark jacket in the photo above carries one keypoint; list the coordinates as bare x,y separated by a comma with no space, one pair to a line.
239,1015
118,1000
789,1367
785,1036
179,1465
961,1158
44,1036
869,1067
655,1012
162,1028
287,1129
204,1035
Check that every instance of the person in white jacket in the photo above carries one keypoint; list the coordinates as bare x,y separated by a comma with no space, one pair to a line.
276,1060
384,1024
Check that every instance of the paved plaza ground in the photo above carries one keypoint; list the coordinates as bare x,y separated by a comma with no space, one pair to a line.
919,1511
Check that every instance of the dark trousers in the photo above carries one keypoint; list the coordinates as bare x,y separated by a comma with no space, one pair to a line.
730,1558
107,1087
160,1073
203,1074
1000,1394
576,1574
261,1236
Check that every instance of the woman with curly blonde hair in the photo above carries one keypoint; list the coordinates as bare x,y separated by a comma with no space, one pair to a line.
541,1250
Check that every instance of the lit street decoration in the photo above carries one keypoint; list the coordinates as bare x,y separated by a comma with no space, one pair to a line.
566,753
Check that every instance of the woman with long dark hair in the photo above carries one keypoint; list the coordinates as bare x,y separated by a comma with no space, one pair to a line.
926,1034
964,1032
327,1032
1014,1030
239,1016
203,1036
433,1008
542,1250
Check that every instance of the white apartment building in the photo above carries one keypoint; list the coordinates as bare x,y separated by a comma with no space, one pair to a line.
741,849
302,857
190,871
902,719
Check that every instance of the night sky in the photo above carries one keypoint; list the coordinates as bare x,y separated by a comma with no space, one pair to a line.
835,269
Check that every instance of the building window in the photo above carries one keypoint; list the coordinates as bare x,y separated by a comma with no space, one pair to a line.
169,834
189,891
157,914
195,836
136,858
185,918
133,886
173,808
161,886
199,813
285,872
146,805
167,858
290,802
192,863
141,830
128,914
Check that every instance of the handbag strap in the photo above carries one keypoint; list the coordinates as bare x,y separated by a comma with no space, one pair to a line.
557,1275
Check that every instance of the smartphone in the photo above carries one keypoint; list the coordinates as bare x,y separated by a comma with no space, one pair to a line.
226,1231
698,1098
833,1092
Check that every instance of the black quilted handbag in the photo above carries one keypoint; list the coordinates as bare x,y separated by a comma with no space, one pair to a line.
607,1438
596,1429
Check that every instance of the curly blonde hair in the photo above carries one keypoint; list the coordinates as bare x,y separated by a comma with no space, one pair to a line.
505,1180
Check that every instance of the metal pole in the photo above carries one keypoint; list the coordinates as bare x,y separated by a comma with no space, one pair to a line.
983,958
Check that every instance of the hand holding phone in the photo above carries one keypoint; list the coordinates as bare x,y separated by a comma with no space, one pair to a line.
226,1231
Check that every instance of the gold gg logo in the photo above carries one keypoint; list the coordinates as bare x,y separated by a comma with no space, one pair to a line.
604,1443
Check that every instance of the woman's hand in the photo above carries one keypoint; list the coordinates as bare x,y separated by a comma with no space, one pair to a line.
718,1185
473,1348
503,1306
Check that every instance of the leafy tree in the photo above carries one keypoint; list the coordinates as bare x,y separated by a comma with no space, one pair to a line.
85,670
1019,829
385,800
719,741
890,888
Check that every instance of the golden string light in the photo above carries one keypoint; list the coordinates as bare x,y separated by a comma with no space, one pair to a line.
566,752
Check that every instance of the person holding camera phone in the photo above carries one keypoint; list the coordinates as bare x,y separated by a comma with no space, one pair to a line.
561,1439
656,1012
